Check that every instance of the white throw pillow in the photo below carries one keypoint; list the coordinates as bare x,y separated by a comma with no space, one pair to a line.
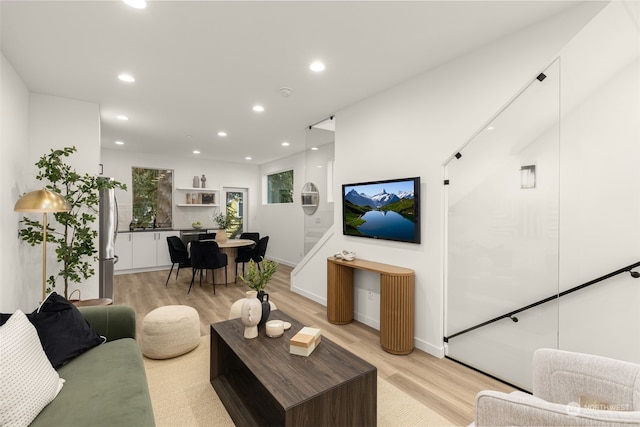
28,382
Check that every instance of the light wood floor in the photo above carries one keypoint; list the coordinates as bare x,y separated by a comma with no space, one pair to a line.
443,385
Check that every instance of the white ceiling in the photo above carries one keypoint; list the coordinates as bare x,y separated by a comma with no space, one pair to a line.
200,66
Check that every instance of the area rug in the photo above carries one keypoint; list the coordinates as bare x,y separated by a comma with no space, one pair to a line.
182,396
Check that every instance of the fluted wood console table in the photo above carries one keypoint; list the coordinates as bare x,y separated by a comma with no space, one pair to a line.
397,300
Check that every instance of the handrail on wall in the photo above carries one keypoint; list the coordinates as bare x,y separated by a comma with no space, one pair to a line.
511,314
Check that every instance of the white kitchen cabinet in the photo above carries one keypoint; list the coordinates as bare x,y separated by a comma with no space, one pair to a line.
162,250
143,249
124,252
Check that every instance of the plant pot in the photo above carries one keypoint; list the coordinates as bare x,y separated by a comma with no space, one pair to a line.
221,236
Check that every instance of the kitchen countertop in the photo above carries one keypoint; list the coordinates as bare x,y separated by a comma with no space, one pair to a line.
144,230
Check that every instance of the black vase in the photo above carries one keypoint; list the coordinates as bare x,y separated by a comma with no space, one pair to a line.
266,308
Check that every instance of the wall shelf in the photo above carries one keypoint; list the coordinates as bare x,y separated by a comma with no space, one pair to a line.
200,197
197,190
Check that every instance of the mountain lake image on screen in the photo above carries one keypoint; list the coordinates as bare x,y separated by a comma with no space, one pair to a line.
387,209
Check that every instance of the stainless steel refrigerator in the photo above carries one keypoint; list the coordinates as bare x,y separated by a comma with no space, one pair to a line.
107,234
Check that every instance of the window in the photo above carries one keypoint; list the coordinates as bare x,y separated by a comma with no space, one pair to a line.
152,197
280,187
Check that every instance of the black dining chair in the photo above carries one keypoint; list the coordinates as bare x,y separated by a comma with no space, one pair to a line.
260,251
250,235
179,255
207,256
206,236
245,252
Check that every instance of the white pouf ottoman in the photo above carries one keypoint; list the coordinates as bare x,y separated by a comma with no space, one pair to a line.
170,331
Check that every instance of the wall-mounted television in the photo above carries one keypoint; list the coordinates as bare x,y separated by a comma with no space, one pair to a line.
388,209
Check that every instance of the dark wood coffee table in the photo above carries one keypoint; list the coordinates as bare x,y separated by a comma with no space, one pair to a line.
261,383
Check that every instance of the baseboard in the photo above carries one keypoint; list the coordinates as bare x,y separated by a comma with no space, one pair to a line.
142,270
437,351
313,297
367,320
282,261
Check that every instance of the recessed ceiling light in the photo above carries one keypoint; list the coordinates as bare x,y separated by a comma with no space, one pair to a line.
222,133
317,66
258,108
122,117
196,151
285,144
314,148
491,128
137,4
248,158
319,166
126,78
119,143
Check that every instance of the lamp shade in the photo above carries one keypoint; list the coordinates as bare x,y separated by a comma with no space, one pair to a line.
42,201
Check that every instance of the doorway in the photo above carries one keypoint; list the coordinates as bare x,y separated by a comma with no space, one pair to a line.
236,207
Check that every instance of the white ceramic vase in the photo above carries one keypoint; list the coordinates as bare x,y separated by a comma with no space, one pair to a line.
251,314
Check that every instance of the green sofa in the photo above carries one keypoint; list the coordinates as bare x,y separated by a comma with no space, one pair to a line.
107,385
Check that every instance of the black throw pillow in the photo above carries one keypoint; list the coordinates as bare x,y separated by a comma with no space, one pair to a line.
63,332
4,317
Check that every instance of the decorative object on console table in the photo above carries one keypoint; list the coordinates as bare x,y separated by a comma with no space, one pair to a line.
251,314
194,198
196,182
204,181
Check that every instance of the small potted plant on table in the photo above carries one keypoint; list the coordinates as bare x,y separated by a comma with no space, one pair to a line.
257,277
223,221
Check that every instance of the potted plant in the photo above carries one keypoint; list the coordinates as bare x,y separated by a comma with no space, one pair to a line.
74,234
257,278
223,221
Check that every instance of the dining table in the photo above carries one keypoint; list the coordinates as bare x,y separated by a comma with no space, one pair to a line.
230,248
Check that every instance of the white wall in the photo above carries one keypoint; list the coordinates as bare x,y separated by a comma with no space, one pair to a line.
32,124
118,164
283,222
15,260
410,130
55,123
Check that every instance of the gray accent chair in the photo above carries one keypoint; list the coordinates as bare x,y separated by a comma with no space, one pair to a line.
569,389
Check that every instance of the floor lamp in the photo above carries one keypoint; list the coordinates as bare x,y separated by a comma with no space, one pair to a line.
43,201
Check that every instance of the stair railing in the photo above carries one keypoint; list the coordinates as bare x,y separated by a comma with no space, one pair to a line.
512,314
